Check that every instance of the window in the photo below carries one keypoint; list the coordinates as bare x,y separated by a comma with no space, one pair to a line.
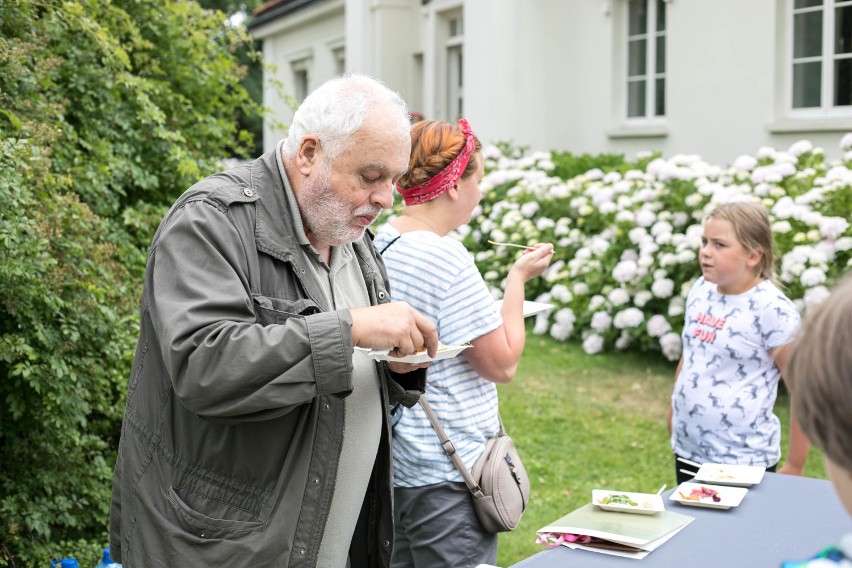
339,56
300,79
646,59
455,84
821,55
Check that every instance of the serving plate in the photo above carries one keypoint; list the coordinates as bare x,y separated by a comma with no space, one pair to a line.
530,308
639,503
444,352
730,474
728,496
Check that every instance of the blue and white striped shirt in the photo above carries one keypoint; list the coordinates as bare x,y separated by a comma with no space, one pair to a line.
437,276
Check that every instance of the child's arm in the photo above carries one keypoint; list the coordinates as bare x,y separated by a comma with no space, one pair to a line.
671,412
799,445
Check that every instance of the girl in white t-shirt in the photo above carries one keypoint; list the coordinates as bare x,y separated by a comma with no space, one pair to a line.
737,330
435,522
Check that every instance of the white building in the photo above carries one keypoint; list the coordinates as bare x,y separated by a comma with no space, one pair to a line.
717,78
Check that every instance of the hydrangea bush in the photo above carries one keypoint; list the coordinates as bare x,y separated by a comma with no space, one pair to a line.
627,239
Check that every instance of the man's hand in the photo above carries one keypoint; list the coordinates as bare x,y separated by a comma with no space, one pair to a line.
395,326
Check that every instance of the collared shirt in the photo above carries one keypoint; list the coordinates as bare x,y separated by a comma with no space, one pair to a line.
343,286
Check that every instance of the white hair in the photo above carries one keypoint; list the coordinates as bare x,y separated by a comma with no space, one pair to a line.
335,110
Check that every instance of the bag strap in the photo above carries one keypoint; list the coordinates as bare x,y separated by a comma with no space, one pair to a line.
387,246
449,449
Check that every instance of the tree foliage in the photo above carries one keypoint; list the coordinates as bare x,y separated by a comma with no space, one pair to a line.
108,111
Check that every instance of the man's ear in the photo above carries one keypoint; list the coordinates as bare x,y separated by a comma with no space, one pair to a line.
308,155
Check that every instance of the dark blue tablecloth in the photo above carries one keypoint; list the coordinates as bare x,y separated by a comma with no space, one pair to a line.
782,518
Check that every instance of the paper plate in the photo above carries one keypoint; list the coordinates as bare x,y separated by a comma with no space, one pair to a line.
639,503
729,496
530,308
730,474
444,352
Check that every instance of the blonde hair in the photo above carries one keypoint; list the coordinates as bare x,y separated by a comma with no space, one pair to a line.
750,222
819,373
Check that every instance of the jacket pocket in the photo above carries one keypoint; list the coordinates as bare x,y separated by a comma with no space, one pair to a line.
277,310
219,519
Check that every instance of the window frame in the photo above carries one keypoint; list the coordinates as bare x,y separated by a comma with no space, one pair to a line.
454,68
651,74
827,58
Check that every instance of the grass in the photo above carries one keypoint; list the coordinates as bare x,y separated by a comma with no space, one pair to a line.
584,422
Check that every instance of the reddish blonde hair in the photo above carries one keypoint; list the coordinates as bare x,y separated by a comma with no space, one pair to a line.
434,144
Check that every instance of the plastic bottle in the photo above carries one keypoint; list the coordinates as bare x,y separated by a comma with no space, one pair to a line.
64,563
107,561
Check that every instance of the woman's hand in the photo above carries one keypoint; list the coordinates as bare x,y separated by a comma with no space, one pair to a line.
533,262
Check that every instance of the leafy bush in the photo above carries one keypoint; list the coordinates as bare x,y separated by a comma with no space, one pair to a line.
108,111
627,240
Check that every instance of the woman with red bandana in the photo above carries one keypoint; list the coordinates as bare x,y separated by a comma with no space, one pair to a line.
436,524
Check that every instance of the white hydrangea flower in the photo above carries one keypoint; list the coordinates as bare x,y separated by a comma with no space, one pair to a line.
637,235
596,301
624,271
645,217
641,298
800,147
676,307
671,345
781,227
622,342
499,236
679,219
601,321
658,325
628,318
686,256
629,254
543,224
745,163
565,316
843,243
663,288
618,297
599,245
833,227
815,296
561,293
846,142
529,209
560,331
593,344
581,288
542,323
811,277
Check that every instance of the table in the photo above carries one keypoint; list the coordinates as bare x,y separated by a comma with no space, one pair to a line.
782,518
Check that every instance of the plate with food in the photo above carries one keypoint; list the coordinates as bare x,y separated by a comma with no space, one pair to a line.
730,474
444,352
706,495
626,502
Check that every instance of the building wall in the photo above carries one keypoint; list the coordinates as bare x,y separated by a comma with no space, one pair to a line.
548,74
313,34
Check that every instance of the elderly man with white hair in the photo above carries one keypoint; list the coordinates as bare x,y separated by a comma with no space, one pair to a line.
255,434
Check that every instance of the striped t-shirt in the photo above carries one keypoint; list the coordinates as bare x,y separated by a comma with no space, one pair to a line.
437,276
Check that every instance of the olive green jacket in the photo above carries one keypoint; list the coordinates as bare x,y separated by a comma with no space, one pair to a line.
235,408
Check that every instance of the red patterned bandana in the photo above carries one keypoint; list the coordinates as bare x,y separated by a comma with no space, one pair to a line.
446,178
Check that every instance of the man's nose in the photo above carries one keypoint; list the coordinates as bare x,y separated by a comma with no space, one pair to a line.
383,195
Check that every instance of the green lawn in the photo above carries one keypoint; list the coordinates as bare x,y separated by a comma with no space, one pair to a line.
583,422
